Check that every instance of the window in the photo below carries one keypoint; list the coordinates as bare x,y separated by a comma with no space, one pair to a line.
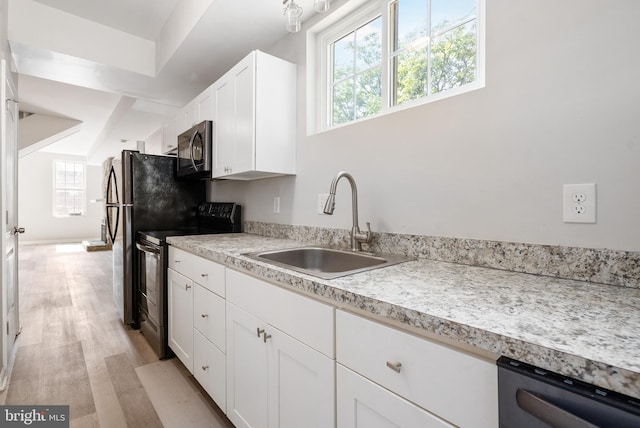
392,53
69,188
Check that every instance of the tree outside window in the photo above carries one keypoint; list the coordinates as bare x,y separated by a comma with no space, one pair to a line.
432,48
69,188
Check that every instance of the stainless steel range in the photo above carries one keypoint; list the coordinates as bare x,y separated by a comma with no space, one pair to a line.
213,218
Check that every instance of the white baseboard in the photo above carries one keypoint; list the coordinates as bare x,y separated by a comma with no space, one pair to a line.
58,241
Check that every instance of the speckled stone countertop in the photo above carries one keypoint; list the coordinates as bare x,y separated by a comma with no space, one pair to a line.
587,331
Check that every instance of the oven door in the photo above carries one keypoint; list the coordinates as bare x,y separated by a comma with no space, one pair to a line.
152,307
195,147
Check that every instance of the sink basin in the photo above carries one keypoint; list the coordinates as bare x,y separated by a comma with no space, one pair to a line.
326,263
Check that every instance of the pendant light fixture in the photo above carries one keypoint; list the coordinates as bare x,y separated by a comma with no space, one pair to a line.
292,14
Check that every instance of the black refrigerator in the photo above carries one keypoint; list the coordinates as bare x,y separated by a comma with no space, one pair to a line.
143,194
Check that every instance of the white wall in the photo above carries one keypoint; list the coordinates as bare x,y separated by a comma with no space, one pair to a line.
35,202
561,105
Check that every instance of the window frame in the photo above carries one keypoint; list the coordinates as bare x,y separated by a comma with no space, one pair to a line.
341,23
56,188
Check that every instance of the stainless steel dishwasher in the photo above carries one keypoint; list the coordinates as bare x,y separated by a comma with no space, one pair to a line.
530,397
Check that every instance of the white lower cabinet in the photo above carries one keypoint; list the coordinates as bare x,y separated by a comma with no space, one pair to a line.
180,308
457,387
209,368
275,380
364,404
247,368
197,319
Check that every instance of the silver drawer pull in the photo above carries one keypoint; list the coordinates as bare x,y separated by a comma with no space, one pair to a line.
265,337
259,331
204,315
204,275
176,261
205,367
396,367
187,286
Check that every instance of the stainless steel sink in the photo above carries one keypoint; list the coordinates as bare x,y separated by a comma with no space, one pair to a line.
326,263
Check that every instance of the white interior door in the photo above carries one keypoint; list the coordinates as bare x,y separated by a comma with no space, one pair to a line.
10,229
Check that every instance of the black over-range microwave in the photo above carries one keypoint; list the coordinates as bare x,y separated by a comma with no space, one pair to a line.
195,149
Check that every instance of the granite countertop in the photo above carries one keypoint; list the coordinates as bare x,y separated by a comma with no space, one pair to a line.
583,330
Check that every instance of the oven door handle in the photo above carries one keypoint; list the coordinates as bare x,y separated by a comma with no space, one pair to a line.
147,248
548,412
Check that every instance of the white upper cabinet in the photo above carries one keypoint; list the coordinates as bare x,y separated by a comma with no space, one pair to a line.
199,109
254,109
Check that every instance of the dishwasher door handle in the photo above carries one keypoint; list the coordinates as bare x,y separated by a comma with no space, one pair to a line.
548,412
147,248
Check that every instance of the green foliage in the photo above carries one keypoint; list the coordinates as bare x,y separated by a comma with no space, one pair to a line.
452,58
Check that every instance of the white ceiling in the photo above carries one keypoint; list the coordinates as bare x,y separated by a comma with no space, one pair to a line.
143,18
114,103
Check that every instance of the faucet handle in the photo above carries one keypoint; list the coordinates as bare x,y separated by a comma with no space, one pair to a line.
368,233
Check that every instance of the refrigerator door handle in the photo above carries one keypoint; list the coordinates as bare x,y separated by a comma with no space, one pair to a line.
112,181
113,233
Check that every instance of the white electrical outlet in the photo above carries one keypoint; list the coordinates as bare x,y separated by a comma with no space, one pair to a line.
322,199
579,203
276,204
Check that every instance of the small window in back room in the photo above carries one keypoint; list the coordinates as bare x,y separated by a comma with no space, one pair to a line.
69,189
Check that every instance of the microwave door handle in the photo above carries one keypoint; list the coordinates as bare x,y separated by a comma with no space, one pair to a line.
193,138
548,412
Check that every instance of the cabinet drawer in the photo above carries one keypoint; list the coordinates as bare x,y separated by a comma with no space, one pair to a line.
209,369
307,320
208,274
451,384
209,315
362,403
180,261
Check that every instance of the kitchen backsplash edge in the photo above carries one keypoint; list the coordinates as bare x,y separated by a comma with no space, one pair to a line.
604,266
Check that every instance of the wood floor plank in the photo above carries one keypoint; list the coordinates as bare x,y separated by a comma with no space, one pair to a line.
75,350
48,375
134,401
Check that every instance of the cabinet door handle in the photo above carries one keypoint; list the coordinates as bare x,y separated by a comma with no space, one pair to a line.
205,367
259,331
187,286
204,315
204,275
396,367
176,261
265,337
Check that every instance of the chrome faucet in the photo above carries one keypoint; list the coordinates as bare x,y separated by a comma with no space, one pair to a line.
357,237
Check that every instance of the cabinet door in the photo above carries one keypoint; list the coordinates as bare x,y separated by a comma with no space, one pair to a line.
427,373
209,315
245,98
209,369
169,138
301,384
204,103
246,370
180,302
191,114
224,130
364,404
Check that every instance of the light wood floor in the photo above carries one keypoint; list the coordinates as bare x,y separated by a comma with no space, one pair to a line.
74,350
